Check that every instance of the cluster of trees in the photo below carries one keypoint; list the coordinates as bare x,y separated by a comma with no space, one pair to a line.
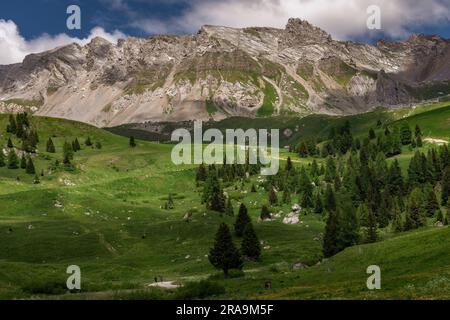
20,126
212,178
361,192
225,255
341,140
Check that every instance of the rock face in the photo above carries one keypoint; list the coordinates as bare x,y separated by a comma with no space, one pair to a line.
221,72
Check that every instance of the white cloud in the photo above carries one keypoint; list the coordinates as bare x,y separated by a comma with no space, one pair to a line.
341,18
14,47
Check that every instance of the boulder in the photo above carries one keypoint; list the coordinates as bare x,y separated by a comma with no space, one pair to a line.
299,266
296,208
292,218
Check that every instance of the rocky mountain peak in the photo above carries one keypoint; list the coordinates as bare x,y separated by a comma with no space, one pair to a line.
301,32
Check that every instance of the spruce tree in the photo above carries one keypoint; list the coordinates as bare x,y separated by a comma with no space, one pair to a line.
397,221
50,146
318,207
431,205
348,234
330,199
286,196
201,173
10,144
273,199
445,186
330,240
132,142
23,161
250,248
405,133
88,142
224,255
371,231
242,220
76,145
265,213
13,161
414,214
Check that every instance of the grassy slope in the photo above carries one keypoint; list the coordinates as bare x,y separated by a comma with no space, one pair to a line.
113,227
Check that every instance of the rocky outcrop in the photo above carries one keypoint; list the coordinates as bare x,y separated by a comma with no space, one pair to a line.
221,72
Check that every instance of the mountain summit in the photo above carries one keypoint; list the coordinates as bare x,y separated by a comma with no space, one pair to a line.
221,72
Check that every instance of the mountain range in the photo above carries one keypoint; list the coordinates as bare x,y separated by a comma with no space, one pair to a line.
222,72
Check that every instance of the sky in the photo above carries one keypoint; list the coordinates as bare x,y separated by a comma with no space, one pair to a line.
34,26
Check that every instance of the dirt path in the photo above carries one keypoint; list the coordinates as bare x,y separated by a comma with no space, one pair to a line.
165,285
436,141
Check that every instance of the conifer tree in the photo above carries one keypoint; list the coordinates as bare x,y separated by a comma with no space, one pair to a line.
371,231
405,133
445,185
88,142
213,195
30,166
431,205
224,255
98,145
397,221
12,126
273,199
330,199
23,162
348,233
170,202
253,190
330,240
10,144
318,207
67,151
289,165
330,171
50,146
242,220
305,189
395,179
414,214
13,161
250,248
265,213
132,142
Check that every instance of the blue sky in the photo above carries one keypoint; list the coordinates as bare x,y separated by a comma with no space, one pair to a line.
29,26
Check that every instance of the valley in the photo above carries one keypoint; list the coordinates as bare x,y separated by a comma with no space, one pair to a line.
107,213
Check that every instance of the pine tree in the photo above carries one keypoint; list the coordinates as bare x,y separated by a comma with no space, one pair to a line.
76,145
213,195
251,247
242,220
397,221
273,199
372,135
30,166
305,189
318,207
13,161
330,240
265,213
88,142
431,205
330,171
348,233
395,179
10,144
289,165
36,180
224,255
405,133
170,202
23,161
132,142
98,146
414,214
12,126
50,146
253,190
445,185
330,199
68,151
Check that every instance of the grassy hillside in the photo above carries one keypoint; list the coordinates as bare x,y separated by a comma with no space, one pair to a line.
107,217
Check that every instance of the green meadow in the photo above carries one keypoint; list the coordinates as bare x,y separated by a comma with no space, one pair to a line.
107,216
